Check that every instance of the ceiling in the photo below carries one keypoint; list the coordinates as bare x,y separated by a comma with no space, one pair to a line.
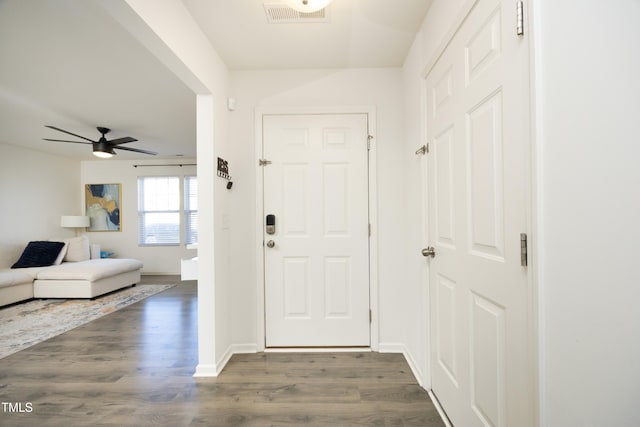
356,34
69,64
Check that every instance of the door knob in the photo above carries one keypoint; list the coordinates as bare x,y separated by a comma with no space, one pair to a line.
271,244
429,251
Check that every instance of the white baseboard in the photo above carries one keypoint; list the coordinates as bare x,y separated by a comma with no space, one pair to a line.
402,349
385,347
158,273
215,370
436,403
417,373
222,362
244,348
318,350
206,371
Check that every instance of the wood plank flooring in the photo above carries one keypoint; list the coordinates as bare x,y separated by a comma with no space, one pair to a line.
134,367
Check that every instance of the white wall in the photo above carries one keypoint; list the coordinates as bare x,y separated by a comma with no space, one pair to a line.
36,189
436,26
379,88
156,259
588,122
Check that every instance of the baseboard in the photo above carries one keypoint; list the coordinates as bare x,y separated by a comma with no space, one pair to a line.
402,349
317,350
225,359
203,371
384,347
417,372
436,403
158,273
215,370
244,348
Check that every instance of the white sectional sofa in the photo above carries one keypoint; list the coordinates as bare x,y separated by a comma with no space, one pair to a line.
87,278
15,285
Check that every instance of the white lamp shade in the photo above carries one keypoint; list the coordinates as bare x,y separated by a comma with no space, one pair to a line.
74,221
307,6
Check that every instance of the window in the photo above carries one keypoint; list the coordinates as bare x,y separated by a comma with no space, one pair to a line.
160,212
191,209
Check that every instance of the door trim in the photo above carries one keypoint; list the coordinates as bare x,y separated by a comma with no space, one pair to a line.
370,111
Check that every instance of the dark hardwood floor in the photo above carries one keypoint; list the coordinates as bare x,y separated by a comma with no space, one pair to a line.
134,367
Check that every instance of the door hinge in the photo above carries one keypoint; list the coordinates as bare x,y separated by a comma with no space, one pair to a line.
369,230
520,18
264,162
370,316
369,138
523,249
423,149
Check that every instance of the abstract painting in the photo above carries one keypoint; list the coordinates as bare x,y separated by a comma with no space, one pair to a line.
102,206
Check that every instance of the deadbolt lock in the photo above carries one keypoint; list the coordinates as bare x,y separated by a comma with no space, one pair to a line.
270,224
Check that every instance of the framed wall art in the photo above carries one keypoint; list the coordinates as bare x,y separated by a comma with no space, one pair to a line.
103,206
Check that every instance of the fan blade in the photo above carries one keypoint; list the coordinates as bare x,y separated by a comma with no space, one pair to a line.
64,140
66,131
121,140
137,150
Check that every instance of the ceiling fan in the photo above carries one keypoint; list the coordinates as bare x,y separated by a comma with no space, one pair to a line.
102,147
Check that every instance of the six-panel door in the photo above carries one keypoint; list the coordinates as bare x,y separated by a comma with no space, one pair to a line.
317,272
477,126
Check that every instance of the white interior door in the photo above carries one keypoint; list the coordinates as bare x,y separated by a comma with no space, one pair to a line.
317,260
477,126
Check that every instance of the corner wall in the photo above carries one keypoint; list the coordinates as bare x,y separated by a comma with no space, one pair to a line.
36,189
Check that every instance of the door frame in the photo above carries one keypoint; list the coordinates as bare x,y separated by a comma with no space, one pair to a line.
532,197
370,111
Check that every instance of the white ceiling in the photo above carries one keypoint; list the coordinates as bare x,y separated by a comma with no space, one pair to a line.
69,64
359,33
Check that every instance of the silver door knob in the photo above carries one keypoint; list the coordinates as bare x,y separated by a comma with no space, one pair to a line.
429,251
271,244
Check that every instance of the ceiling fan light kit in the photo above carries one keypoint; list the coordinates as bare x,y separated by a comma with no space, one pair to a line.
99,150
102,147
308,6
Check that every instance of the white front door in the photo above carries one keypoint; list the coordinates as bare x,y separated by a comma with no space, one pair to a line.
478,129
317,260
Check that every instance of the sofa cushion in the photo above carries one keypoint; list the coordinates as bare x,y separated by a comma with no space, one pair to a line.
78,249
15,277
39,253
63,252
90,270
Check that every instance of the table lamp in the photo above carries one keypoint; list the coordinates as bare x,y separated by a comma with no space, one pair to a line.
74,221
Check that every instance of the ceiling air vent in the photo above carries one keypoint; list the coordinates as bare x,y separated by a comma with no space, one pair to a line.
280,13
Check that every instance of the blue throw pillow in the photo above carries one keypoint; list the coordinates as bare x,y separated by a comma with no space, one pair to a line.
39,254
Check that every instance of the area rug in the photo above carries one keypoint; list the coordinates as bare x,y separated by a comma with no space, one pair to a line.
27,324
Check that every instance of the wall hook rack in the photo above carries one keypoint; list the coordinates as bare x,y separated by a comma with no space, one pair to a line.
223,171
